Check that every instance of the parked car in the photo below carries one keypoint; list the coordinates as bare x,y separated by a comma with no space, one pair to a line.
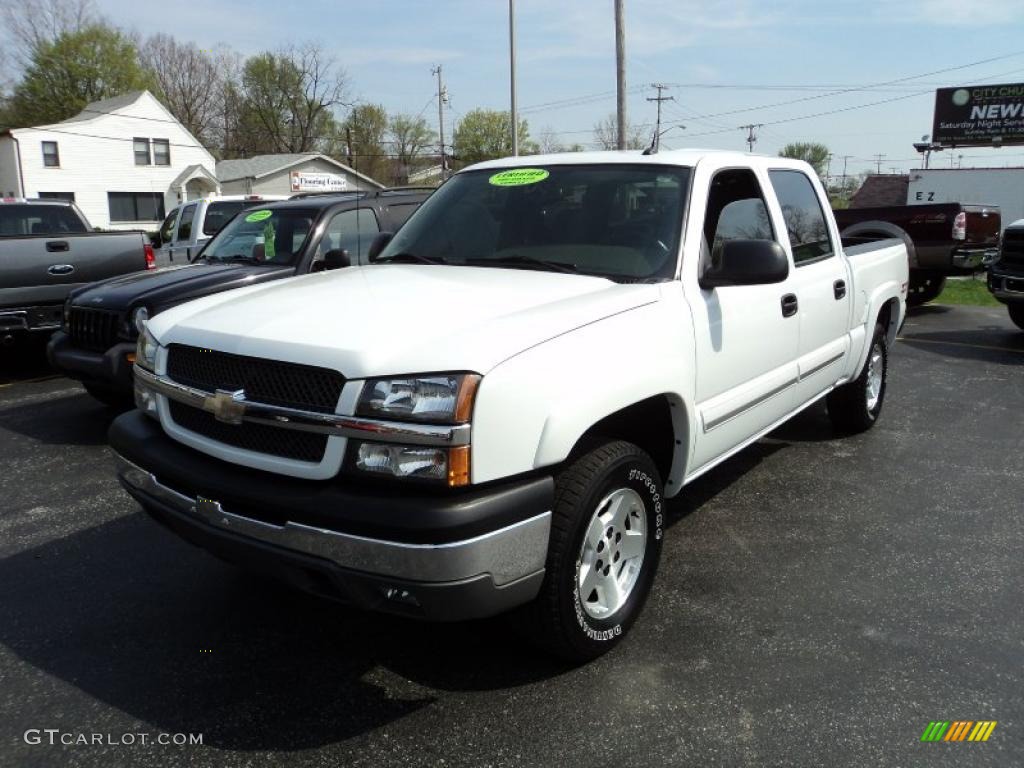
1006,275
190,226
263,244
942,239
48,249
493,412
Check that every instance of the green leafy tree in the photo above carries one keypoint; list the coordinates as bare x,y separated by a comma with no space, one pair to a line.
364,130
484,134
287,101
411,139
810,152
64,75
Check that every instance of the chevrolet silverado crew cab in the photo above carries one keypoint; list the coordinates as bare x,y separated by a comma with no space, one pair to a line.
1006,275
47,249
492,413
269,242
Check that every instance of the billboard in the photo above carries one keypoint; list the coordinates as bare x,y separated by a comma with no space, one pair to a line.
979,115
303,181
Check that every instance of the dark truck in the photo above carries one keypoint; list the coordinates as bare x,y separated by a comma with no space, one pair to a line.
1006,275
942,239
48,249
308,233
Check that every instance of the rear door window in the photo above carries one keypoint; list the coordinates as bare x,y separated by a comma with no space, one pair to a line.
805,220
219,214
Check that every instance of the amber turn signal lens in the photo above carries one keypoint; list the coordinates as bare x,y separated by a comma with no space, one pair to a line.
458,466
467,393
131,357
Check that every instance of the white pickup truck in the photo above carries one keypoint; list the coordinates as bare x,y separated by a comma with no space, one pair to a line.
492,413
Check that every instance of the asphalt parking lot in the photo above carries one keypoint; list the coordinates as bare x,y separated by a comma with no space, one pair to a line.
820,600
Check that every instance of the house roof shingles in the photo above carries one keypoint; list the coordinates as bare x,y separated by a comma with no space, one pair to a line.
881,191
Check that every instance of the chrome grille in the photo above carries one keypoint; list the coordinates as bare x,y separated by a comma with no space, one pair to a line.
93,329
289,385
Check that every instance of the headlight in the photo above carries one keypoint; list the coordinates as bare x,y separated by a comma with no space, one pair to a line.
139,319
449,465
145,350
444,398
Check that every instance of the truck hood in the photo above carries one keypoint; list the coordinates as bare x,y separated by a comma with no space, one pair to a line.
398,318
172,285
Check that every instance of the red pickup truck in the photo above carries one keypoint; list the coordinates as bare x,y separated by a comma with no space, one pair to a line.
942,239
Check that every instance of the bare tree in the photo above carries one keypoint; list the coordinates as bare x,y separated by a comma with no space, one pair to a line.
190,81
28,24
410,138
548,142
606,135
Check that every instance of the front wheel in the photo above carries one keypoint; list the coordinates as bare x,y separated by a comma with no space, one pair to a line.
855,407
606,535
1017,314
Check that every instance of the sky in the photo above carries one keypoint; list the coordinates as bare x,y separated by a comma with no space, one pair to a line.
728,63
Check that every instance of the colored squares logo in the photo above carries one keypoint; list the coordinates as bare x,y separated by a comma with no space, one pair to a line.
958,730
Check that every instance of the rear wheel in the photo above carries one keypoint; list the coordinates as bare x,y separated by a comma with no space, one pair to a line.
855,407
924,287
1017,314
606,533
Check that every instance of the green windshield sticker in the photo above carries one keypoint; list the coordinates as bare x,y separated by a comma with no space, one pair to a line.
518,177
259,215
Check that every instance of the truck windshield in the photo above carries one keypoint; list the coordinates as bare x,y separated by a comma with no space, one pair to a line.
622,222
262,236
20,220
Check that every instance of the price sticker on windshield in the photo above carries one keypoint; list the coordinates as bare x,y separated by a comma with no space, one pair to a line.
518,177
259,216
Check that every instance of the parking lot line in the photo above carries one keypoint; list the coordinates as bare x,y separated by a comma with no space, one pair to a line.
913,340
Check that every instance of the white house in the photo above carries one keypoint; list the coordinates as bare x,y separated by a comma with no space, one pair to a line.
125,161
288,174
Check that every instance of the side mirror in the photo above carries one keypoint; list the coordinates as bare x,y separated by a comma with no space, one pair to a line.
380,241
155,240
747,262
337,259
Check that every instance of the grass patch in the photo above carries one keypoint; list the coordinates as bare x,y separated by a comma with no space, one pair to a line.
971,291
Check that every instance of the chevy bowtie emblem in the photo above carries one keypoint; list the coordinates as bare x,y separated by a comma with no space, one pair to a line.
226,406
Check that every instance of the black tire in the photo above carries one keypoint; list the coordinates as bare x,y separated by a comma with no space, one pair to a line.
557,619
1017,314
924,287
110,397
849,406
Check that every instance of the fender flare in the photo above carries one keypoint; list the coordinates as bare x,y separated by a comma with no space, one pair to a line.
886,229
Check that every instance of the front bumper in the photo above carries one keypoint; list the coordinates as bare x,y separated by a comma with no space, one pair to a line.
445,556
44,318
112,369
1006,285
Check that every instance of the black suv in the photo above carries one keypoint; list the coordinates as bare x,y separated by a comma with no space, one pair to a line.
307,233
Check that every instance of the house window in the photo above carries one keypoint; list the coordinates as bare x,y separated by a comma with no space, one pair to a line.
141,151
136,206
51,157
161,152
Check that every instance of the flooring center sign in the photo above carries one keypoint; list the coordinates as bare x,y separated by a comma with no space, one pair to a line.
318,182
979,115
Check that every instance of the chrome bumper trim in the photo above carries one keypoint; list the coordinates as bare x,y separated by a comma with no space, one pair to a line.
311,421
507,554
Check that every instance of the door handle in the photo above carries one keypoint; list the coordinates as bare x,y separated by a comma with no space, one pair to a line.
839,289
789,305
60,269
56,246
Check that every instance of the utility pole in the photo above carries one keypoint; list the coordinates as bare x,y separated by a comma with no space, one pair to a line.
348,148
442,96
845,159
620,74
657,125
828,170
512,74
751,135
878,164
